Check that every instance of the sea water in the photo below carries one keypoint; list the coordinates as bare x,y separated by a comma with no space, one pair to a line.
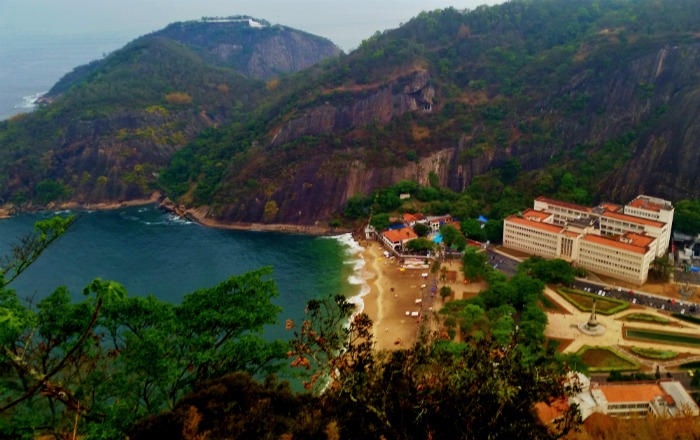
154,253
31,63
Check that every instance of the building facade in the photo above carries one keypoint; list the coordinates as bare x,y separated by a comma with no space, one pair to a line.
607,239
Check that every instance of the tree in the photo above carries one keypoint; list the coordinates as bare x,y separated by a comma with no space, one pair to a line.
270,211
549,271
450,234
472,229
420,245
380,222
661,269
474,264
421,230
439,389
445,291
96,366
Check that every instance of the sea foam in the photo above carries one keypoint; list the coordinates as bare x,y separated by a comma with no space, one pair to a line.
359,276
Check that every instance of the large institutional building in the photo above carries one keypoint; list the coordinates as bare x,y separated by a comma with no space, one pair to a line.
610,239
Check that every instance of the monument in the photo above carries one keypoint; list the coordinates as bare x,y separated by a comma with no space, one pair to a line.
592,327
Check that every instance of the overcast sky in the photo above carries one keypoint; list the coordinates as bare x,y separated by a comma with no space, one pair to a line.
345,22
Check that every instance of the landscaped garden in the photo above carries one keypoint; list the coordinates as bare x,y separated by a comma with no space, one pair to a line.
659,336
606,359
584,301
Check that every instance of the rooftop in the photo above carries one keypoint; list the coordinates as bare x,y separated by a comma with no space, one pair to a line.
535,215
612,207
568,205
615,243
535,224
633,219
644,392
648,204
398,235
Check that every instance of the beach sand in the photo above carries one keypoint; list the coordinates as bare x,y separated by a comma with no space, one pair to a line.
388,308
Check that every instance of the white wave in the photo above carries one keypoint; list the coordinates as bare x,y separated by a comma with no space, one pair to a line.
29,102
359,276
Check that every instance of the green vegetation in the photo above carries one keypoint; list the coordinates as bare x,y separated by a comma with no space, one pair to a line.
653,353
690,365
584,301
646,317
670,337
114,366
601,359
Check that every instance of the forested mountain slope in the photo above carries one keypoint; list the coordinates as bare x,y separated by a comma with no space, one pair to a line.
576,99
581,100
108,127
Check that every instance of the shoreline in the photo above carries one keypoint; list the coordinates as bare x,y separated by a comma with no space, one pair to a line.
196,215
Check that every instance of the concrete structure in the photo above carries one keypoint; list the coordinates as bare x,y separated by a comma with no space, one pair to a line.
606,239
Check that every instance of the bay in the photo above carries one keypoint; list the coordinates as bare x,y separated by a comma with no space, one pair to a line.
152,252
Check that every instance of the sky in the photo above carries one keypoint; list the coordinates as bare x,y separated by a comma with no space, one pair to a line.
344,22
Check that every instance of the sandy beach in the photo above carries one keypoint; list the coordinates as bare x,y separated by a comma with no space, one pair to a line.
387,308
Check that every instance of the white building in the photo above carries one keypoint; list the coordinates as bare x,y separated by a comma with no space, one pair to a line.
662,398
606,239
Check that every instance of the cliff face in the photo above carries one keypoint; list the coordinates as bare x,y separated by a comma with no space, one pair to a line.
378,104
665,161
251,46
653,95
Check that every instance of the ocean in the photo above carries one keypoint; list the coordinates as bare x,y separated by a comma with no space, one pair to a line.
155,253
148,251
31,63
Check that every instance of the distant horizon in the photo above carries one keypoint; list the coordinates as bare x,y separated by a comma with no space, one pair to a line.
346,25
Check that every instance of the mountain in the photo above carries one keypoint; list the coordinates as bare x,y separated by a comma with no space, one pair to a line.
580,99
107,128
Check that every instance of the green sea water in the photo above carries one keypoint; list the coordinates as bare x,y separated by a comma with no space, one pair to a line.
151,252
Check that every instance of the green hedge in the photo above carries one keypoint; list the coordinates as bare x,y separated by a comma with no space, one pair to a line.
653,353
646,317
688,318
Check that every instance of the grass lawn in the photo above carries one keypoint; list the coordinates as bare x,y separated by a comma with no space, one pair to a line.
584,302
659,336
605,359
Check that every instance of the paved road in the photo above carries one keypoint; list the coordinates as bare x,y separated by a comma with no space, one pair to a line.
508,265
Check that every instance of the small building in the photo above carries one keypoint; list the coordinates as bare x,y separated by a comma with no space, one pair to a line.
437,222
397,238
659,398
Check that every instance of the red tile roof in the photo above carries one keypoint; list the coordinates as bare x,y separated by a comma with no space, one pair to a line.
632,392
564,204
610,206
408,217
536,225
611,242
633,219
645,204
398,235
529,213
